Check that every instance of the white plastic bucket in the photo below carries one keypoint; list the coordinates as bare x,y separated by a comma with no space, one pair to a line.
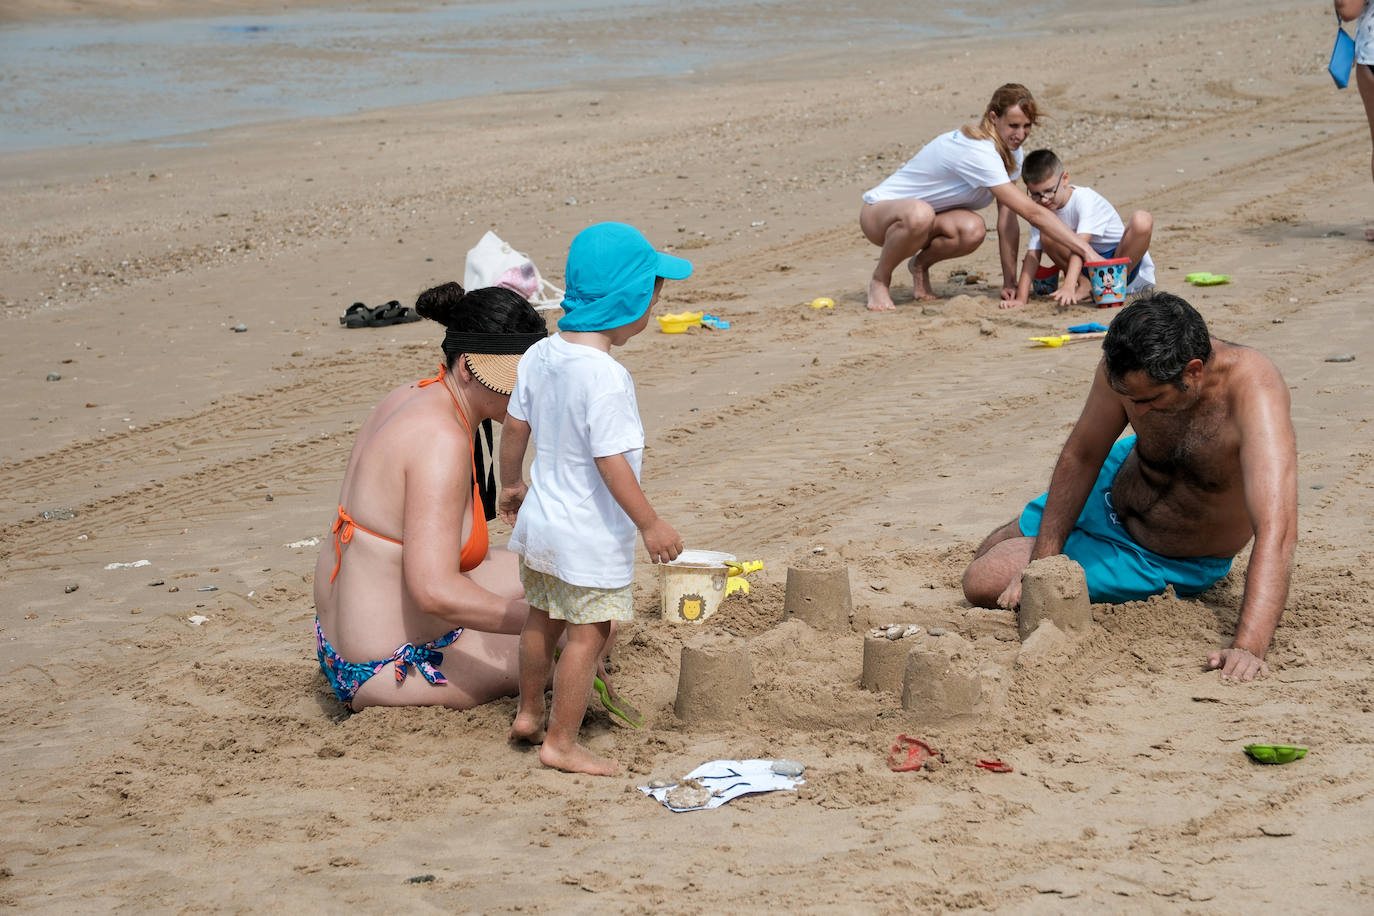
694,584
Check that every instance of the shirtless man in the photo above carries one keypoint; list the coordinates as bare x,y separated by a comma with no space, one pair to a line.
1213,463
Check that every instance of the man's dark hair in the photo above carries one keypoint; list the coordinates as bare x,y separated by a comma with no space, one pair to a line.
1040,165
1158,334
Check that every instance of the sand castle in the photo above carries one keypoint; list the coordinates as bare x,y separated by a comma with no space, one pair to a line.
937,675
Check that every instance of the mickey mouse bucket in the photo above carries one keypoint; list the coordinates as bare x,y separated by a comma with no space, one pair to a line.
1109,281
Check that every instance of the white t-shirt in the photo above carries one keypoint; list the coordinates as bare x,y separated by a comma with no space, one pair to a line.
1364,35
580,405
950,172
1089,213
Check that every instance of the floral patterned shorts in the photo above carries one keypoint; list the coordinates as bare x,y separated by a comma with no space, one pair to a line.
575,603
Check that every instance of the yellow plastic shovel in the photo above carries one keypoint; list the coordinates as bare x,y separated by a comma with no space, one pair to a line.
1058,340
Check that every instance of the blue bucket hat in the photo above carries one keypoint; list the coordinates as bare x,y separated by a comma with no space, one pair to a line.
610,277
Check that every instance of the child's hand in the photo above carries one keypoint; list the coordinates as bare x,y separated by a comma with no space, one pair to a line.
508,505
661,541
1066,296
1011,303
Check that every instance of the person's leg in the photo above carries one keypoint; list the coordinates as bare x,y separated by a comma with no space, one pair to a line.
572,682
1136,240
537,642
1011,529
1000,558
603,664
1364,79
1057,253
954,234
1060,255
901,228
480,667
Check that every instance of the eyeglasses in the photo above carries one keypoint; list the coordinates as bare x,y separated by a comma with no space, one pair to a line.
1046,195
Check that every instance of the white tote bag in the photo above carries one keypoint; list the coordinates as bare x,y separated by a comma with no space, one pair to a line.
493,262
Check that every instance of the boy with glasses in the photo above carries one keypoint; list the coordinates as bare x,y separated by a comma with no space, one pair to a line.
1090,216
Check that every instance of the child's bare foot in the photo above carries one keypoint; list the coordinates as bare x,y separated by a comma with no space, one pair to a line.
920,279
527,727
880,297
577,759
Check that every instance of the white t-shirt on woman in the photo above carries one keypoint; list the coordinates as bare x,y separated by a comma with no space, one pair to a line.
951,172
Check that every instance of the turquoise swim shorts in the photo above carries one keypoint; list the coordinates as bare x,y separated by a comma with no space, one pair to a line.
1119,569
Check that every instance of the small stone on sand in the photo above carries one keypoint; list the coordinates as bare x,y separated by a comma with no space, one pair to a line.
688,794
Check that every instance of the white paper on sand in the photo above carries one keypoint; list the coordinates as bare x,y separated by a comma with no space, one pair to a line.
730,779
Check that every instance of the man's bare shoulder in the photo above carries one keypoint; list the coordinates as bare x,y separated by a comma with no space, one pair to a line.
1246,366
1253,388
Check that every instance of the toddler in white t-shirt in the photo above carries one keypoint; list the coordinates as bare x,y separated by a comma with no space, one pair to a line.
1094,220
575,523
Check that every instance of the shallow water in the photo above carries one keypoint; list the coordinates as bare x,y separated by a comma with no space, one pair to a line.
91,81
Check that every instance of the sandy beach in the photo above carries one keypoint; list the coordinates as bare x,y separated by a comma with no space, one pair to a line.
147,762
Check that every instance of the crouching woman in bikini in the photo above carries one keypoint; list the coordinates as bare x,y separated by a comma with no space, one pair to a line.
413,607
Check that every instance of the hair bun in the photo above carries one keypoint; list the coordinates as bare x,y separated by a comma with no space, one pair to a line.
442,303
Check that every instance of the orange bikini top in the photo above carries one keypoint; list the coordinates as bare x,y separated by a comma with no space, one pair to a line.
474,550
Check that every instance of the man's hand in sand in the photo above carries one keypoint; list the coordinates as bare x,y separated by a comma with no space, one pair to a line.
1238,664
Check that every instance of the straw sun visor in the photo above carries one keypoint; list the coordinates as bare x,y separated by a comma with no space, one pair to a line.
495,370
492,358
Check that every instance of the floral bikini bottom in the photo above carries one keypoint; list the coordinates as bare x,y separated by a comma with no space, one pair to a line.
347,677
